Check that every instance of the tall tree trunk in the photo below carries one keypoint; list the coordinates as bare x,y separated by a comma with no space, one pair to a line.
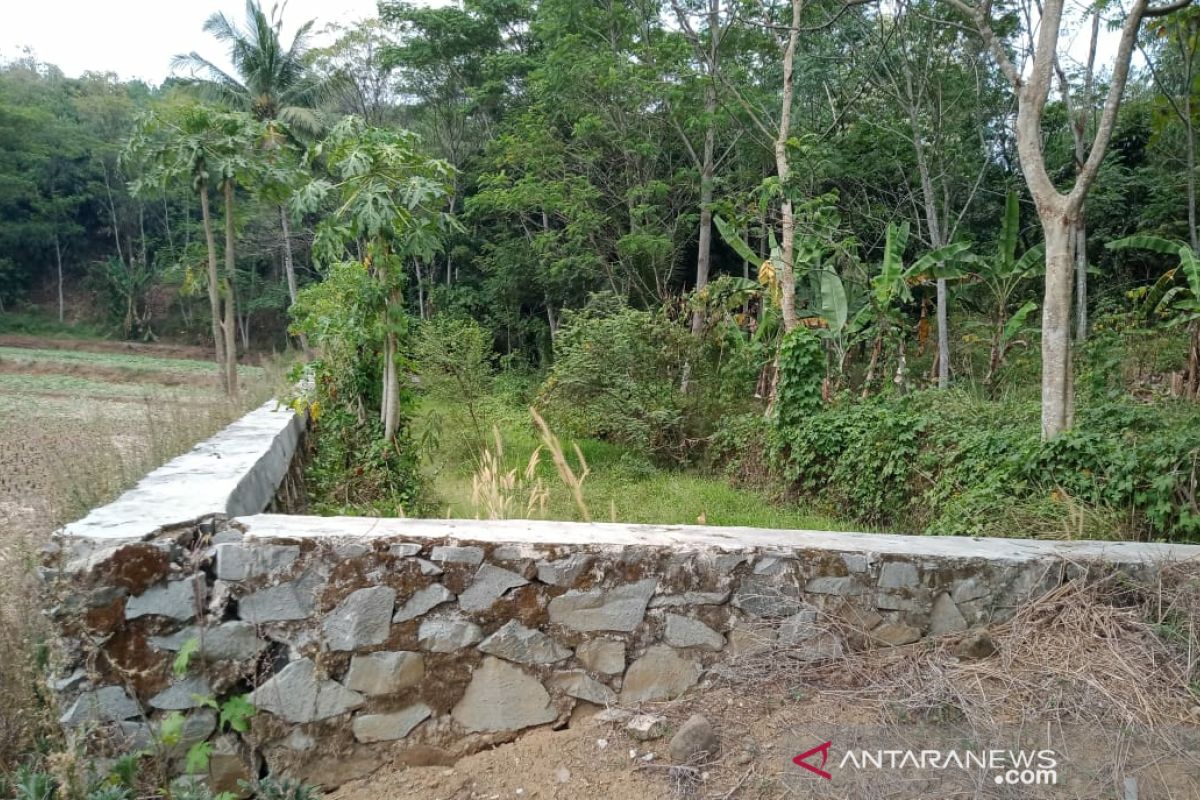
707,169
933,223
787,273
391,381
58,260
289,269
708,159
1058,226
214,284
231,386
1190,131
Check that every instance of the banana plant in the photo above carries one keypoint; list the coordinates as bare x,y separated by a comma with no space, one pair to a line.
1001,277
891,288
1178,304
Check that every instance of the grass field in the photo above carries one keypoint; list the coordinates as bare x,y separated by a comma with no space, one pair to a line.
620,486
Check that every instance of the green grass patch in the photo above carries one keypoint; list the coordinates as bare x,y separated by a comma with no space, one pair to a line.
38,323
621,485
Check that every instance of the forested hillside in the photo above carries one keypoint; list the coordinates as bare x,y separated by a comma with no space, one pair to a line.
717,234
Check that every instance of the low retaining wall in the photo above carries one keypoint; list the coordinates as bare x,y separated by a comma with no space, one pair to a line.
361,641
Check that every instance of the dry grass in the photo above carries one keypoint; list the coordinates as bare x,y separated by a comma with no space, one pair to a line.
496,492
61,459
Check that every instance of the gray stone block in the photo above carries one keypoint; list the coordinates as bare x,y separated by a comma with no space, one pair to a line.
390,727
515,642
106,704
385,672
489,585
237,562
764,596
606,656
182,695
363,619
899,575
618,609
576,683
840,585
287,601
688,599
297,694
502,697
457,555
229,641
660,674
945,617
175,600
681,631
422,601
448,634
563,571
404,549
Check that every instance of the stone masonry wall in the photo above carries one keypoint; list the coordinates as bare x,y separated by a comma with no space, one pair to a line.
360,641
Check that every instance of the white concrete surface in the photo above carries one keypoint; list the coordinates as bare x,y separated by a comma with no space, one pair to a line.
691,537
235,472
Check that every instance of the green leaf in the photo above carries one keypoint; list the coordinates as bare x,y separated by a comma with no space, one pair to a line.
1009,229
834,308
735,241
1017,321
236,713
170,730
197,758
184,657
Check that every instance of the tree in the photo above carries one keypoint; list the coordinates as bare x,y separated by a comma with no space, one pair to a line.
391,210
1058,212
198,145
924,68
273,84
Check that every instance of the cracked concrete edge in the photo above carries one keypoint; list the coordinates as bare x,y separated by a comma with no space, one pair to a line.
234,472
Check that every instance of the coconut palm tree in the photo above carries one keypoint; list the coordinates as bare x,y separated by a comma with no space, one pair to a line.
273,83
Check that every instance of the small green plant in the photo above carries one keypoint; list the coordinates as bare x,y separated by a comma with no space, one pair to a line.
801,370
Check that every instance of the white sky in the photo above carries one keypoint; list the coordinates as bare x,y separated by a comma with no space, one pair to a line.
137,38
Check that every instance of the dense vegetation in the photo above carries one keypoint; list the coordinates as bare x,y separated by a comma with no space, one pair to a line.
812,247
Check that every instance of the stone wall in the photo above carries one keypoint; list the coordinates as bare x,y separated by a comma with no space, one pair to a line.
361,641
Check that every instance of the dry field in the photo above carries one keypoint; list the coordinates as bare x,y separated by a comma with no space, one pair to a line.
80,421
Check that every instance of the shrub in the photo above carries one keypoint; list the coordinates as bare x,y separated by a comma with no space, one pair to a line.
618,375
353,467
944,463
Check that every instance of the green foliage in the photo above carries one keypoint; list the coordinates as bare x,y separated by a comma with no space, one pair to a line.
618,375
352,466
184,657
944,463
801,370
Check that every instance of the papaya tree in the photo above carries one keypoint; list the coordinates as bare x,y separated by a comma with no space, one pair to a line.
391,206
206,148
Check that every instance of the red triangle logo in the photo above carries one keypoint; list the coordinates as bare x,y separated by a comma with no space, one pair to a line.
802,760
